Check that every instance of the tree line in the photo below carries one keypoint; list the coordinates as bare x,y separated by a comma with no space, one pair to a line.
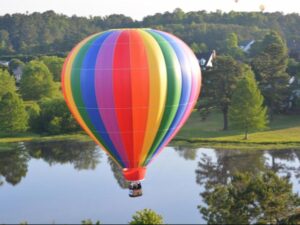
248,88
49,32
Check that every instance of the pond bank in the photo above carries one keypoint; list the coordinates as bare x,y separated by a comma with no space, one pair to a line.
10,143
242,145
34,137
283,133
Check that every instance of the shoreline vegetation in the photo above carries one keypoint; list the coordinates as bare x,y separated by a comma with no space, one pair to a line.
283,133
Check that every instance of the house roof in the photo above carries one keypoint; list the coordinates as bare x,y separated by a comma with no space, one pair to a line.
245,42
4,63
205,58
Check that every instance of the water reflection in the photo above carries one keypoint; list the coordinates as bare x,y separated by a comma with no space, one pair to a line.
14,163
187,153
220,167
118,174
242,186
280,162
83,155
13,166
188,171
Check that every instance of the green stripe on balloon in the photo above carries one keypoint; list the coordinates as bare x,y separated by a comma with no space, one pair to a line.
76,91
173,91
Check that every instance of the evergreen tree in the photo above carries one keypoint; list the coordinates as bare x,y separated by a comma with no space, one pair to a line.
270,69
36,82
220,82
246,110
13,116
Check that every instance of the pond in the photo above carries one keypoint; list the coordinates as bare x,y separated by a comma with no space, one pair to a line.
69,181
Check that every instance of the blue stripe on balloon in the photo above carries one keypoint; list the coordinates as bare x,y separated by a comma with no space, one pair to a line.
185,91
87,80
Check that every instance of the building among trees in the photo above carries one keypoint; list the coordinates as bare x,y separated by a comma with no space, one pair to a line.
206,59
246,45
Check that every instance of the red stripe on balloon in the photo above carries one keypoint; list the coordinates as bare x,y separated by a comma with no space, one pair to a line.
105,93
122,92
140,92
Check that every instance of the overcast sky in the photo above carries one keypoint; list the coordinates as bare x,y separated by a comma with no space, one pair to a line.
137,9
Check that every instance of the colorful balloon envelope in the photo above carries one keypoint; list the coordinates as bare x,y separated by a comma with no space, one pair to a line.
131,90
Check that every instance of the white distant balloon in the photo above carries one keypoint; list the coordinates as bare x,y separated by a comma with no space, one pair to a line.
262,7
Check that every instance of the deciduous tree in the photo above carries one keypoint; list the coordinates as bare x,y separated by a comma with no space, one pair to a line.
146,216
7,83
13,116
36,82
54,65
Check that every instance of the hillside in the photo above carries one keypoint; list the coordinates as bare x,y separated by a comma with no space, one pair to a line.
52,33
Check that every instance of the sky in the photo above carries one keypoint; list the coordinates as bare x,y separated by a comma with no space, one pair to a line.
137,9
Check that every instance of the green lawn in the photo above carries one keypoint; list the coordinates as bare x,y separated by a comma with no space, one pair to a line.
36,137
282,129
283,132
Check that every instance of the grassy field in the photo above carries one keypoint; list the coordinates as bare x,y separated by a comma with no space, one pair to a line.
11,143
35,137
283,131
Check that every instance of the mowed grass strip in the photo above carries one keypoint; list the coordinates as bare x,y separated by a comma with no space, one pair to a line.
283,132
282,129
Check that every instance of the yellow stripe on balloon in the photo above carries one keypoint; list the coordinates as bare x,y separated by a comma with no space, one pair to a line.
157,89
68,90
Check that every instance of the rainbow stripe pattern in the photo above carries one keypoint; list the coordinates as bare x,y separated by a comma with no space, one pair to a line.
131,90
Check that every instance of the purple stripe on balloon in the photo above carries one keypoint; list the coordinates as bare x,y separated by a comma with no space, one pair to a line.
105,93
196,78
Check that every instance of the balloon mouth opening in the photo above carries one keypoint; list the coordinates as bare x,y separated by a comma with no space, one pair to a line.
134,174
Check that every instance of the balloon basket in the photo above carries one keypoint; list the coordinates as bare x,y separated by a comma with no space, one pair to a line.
135,189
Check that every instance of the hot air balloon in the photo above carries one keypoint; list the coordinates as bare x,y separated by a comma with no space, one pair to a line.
262,8
131,90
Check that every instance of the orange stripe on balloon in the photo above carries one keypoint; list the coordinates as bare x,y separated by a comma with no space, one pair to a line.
66,88
139,92
157,90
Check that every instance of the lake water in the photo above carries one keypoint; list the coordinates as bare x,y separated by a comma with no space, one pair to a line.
67,182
